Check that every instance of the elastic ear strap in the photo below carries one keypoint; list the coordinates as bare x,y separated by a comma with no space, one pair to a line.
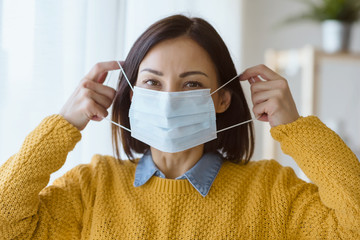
224,84
123,72
121,126
236,125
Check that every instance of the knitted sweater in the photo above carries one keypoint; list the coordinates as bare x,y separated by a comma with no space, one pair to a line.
259,200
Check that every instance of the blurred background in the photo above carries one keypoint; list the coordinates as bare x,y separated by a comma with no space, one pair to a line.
46,47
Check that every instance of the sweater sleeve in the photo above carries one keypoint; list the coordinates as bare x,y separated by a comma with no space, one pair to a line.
329,208
27,210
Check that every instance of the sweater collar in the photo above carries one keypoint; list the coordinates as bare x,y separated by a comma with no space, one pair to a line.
201,175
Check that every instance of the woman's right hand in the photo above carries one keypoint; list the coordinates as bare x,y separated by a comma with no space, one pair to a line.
91,99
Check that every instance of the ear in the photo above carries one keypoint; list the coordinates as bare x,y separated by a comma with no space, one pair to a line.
223,101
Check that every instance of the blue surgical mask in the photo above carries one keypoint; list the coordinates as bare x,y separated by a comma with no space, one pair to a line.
173,121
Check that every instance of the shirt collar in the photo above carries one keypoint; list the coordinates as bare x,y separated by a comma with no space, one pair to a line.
201,176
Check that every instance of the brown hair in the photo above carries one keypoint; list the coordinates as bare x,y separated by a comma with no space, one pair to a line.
236,144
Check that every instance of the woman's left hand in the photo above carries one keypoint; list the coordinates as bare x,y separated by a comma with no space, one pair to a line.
271,98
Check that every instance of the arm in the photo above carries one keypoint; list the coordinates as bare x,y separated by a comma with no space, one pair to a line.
25,212
331,208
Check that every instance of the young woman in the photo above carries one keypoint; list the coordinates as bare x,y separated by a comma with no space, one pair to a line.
194,181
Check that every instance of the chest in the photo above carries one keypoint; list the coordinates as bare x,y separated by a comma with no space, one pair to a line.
144,215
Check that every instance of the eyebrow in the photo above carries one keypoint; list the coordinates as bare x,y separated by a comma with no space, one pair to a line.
152,71
182,75
185,74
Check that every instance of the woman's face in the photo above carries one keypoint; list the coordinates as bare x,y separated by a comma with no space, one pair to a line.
178,64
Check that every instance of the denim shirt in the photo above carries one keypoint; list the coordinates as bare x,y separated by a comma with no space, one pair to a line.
201,175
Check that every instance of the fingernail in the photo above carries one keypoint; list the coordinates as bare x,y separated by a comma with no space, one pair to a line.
252,79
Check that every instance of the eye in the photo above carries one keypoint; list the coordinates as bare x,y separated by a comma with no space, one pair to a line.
152,83
193,84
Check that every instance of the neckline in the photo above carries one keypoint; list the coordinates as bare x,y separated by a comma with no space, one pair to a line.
166,185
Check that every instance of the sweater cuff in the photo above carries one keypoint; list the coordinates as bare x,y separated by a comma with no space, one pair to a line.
282,132
58,125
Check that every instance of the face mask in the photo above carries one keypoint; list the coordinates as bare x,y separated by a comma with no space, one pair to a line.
173,121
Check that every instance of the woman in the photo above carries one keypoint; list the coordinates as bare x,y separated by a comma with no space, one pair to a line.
194,180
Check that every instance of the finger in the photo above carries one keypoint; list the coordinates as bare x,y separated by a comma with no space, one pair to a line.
99,99
101,68
260,97
262,70
98,118
268,85
100,89
94,111
102,77
253,80
263,96
101,114
260,111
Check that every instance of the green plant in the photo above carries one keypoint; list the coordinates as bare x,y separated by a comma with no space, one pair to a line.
321,10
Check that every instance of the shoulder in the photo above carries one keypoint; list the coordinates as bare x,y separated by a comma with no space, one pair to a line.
85,181
262,179
101,167
108,165
267,171
261,165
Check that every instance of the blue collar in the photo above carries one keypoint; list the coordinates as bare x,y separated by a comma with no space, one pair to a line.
201,176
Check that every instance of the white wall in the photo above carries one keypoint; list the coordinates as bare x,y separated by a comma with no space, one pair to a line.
46,48
225,16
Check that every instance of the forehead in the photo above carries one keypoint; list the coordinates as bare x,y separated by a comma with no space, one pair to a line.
178,54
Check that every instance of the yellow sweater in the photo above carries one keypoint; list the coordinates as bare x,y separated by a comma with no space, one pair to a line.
260,200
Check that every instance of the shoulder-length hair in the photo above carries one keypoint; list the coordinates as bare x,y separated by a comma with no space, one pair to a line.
236,144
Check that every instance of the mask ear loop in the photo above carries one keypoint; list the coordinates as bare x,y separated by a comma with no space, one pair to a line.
123,72
121,126
236,125
225,84
109,120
